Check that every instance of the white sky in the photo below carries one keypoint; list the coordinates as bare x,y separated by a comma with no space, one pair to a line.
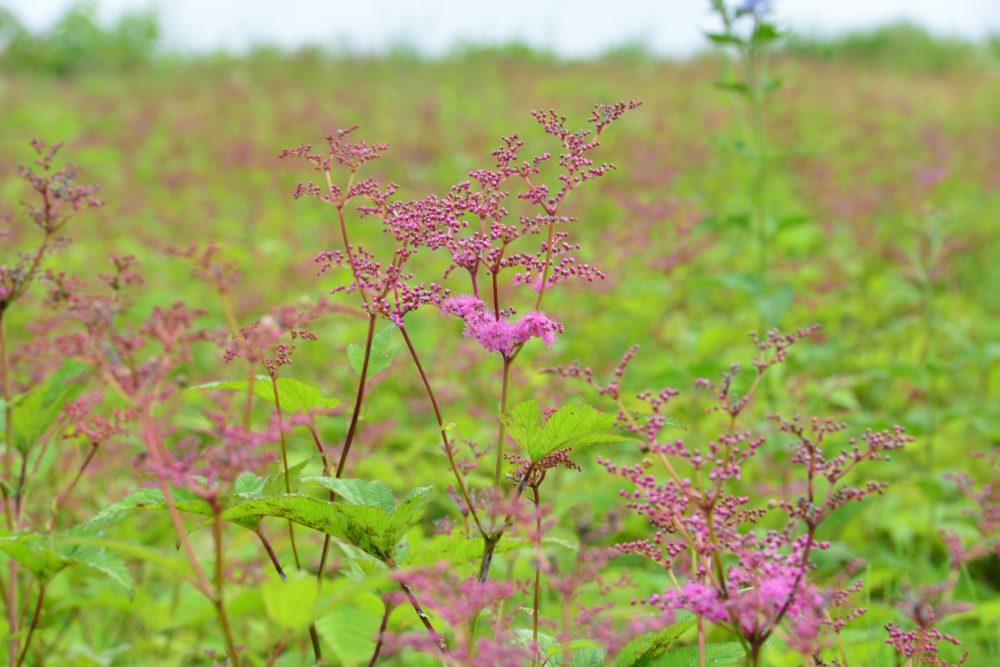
569,27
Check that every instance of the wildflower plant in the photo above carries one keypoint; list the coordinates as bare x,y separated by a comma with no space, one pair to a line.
746,571
357,574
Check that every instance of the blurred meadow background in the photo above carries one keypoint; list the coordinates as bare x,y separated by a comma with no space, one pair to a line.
877,217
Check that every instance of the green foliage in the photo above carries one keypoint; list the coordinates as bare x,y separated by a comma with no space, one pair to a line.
900,46
908,332
646,649
375,520
349,631
295,396
291,604
716,655
385,346
34,413
77,42
44,557
576,426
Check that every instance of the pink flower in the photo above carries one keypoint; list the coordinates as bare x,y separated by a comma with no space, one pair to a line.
501,334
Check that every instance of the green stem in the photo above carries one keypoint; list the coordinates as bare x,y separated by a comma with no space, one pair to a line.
313,633
8,393
538,573
284,464
502,435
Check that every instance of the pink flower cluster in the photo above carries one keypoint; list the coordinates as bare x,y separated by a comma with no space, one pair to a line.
500,334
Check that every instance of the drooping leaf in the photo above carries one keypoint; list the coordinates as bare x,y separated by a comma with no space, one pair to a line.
105,562
575,425
646,647
33,413
385,347
296,396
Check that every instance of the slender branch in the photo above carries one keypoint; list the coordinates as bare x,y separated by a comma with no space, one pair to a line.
701,642
79,473
538,572
490,542
8,394
319,448
284,464
152,444
359,399
12,620
548,261
313,633
326,537
271,554
423,617
8,408
502,434
381,635
444,435
248,409
34,623
218,598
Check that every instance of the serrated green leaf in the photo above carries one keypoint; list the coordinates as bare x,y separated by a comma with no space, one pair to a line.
296,396
41,555
576,425
104,562
152,499
651,645
32,553
385,347
275,482
726,654
359,491
249,484
33,413
388,519
368,528
585,656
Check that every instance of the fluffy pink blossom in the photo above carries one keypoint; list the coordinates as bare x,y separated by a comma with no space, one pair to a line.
503,334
